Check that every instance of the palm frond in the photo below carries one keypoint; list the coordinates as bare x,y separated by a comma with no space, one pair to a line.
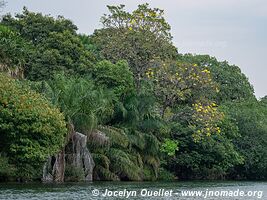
137,139
154,162
152,144
123,166
117,136
101,160
98,138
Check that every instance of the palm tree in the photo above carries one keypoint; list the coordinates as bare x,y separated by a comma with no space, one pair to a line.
121,147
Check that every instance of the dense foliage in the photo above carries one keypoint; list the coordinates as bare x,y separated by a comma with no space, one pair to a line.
30,128
57,47
149,112
251,117
13,52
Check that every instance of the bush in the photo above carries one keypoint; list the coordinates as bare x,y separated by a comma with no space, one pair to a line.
30,128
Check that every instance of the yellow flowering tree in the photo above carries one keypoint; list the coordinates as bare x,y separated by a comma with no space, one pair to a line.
138,37
177,83
174,82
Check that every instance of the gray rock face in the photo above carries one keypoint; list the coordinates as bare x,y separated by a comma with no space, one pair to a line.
74,156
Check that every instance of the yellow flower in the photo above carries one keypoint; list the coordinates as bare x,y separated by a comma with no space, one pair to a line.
206,71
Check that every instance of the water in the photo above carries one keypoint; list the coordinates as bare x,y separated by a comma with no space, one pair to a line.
136,190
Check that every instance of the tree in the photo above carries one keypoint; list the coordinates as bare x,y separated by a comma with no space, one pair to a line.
30,129
119,150
138,37
233,85
59,52
57,47
212,158
116,77
144,108
36,27
135,131
83,104
175,82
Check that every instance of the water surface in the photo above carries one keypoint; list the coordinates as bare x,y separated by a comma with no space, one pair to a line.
135,190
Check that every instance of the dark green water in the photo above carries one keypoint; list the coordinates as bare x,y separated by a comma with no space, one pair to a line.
136,190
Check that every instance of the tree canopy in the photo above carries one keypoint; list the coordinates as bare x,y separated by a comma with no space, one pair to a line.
139,37
56,45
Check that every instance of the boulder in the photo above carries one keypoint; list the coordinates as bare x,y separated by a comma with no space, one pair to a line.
75,155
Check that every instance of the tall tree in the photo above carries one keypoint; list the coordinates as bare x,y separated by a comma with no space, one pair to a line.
139,37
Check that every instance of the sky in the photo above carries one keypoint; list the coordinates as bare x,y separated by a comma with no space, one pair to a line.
232,30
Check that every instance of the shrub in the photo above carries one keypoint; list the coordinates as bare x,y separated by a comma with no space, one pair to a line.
30,128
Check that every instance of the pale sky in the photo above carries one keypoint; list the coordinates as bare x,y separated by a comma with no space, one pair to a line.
232,30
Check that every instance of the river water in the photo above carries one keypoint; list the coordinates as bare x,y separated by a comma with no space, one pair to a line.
213,190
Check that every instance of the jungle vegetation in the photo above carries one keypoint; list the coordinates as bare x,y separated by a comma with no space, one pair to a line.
150,113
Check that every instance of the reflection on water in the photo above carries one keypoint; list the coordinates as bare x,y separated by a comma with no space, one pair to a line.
162,190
